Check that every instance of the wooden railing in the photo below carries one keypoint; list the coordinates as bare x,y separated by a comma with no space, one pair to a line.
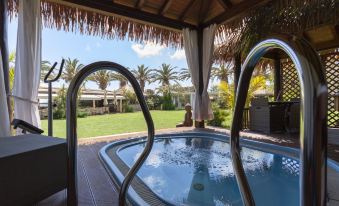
246,119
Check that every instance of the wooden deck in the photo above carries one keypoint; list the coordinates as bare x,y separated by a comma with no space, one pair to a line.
97,189
95,186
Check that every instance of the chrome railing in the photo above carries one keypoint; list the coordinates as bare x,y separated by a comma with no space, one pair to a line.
71,121
313,128
50,99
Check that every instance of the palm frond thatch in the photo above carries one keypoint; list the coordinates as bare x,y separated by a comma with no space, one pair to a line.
280,16
66,16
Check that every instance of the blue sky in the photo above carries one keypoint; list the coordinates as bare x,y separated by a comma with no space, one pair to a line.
88,49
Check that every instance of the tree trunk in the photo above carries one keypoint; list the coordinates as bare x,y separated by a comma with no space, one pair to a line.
142,86
123,83
105,98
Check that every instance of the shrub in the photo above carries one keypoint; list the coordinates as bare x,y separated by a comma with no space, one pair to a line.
130,96
82,114
59,114
59,111
167,103
60,101
222,118
219,118
127,108
154,101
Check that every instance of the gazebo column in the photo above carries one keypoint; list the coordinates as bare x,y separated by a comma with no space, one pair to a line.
236,73
4,50
200,124
4,74
199,47
277,79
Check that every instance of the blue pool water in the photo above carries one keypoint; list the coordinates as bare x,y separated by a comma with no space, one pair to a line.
198,171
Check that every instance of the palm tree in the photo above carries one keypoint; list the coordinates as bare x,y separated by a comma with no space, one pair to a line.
222,73
226,91
264,68
11,61
72,66
165,75
143,75
185,74
102,78
45,67
121,78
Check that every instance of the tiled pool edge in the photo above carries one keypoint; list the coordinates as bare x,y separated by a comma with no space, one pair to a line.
268,147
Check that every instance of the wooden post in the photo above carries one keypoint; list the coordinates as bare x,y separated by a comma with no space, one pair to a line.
4,51
200,124
237,70
120,106
277,79
93,103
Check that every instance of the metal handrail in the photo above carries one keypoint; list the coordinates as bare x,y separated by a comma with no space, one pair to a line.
72,128
46,80
50,100
313,118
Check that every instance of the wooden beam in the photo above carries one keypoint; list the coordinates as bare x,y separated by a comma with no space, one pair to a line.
139,4
237,11
165,7
226,4
186,9
200,32
132,13
204,7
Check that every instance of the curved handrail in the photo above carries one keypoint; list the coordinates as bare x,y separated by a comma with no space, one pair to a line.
46,80
313,118
72,127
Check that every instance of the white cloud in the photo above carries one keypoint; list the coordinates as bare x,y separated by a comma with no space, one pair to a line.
88,48
178,54
98,45
147,50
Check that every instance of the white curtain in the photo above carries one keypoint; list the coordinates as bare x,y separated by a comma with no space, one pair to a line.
4,116
192,57
202,106
207,60
27,62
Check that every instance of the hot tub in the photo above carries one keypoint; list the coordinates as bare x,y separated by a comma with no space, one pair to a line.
196,169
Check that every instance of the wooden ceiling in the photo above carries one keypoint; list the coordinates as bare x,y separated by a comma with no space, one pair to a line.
175,14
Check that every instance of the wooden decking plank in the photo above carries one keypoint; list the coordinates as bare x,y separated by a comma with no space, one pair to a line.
85,191
99,181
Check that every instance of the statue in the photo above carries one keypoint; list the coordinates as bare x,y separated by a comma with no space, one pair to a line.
188,122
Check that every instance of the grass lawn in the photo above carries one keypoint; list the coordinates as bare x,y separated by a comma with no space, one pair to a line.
109,124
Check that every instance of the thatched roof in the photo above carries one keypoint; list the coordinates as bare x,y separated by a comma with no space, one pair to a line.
159,21
62,15
311,19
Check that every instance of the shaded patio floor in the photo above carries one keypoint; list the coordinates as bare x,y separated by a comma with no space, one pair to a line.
97,189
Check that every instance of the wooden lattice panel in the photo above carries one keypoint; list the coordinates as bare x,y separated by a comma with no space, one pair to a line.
290,81
331,63
291,86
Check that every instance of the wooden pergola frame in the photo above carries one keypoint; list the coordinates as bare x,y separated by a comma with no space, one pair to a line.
137,13
230,12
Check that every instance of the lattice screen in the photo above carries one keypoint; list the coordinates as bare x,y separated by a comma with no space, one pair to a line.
291,86
331,62
290,81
